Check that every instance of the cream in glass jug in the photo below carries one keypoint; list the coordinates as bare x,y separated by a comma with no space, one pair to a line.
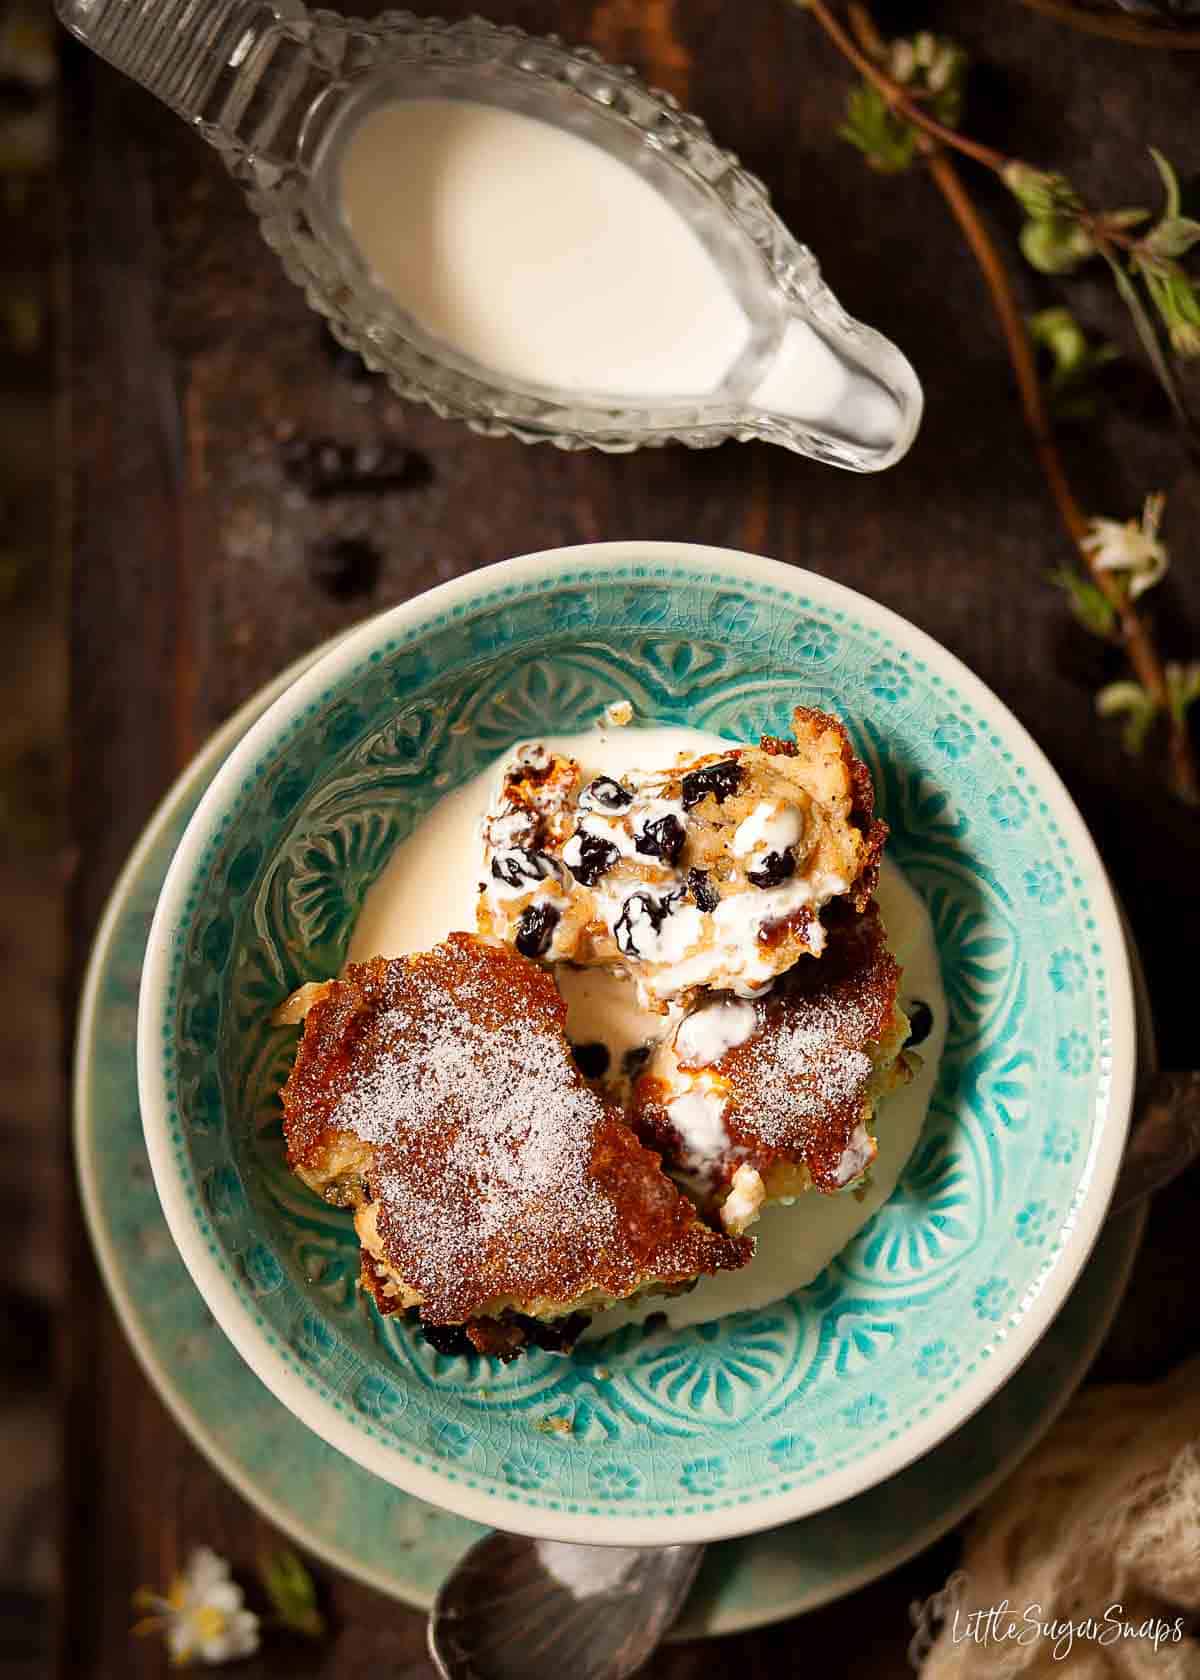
519,234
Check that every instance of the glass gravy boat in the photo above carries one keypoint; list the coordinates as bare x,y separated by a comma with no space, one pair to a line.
278,90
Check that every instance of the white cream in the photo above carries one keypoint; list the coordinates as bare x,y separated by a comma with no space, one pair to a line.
511,877
429,887
673,938
856,1157
699,1118
536,253
511,829
705,1035
611,829
603,1008
747,1192
770,827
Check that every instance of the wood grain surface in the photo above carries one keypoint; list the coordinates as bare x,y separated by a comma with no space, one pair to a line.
193,375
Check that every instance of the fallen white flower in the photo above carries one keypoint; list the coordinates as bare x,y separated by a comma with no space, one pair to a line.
202,1615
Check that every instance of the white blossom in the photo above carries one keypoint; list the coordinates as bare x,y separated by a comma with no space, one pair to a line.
202,1616
1133,548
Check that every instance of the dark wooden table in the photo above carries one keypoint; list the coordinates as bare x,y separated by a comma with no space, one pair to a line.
199,572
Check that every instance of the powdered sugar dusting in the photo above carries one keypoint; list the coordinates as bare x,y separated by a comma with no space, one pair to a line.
802,1082
514,1130
805,1072
811,1052
498,1177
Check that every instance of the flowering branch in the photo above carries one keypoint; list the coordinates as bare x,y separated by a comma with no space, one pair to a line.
1110,585
916,87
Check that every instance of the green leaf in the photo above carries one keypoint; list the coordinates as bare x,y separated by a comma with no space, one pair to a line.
1090,605
1125,218
1183,688
1174,295
1057,331
1129,699
1041,193
886,141
1170,183
1149,340
1054,245
1172,238
1075,363
289,1586
930,67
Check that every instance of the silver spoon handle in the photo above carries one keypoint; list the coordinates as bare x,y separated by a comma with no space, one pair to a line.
1164,1140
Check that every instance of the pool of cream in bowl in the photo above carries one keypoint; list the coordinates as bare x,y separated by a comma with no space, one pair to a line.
429,888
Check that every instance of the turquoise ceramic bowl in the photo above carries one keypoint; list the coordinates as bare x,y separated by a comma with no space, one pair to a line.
764,1416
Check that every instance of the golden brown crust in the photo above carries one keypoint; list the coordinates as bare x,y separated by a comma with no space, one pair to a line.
797,1091
862,798
499,1179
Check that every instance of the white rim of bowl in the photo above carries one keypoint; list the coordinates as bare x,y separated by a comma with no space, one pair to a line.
480,1505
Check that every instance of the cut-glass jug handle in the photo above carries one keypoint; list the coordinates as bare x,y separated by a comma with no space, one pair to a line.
244,72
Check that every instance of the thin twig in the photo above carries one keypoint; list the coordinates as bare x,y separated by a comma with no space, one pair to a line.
1135,637
903,101
1020,349
1129,30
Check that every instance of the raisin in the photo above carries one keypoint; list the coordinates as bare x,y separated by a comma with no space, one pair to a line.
718,779
655,910
591,1059
796,925
920,1023
519,865
702,890
773,869
605,794
662,838
535,930
596,857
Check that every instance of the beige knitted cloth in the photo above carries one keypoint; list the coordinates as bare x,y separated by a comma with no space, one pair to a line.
1105,1513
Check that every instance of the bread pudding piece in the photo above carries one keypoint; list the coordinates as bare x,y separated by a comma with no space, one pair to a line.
499,1198
712,873
752,1102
